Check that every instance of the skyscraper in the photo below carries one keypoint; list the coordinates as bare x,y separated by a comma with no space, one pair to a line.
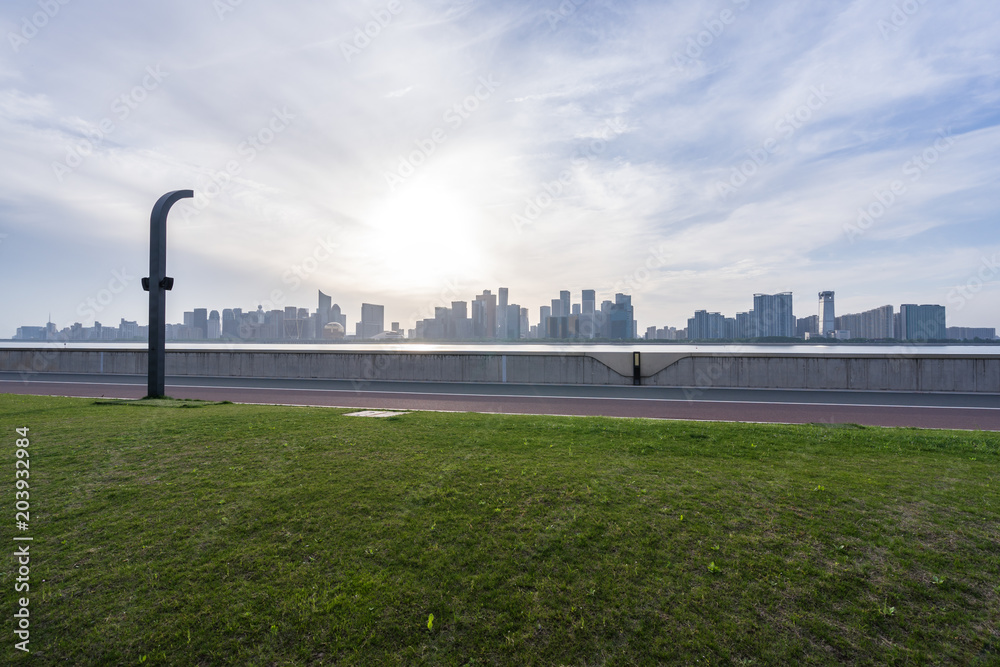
323,311
827,317
201,323
621,320
564,305
921,323
214,325
484,315
372,320
502,313
773,314
588,323
544,313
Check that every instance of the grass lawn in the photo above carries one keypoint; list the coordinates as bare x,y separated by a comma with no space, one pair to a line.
204,534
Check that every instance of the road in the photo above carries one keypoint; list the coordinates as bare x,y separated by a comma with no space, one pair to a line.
922,410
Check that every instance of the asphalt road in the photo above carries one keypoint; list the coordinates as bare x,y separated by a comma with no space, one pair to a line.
923,410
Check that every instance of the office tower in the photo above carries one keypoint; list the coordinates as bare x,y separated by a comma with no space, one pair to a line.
230,326
544,313
290,323
323,311
478,316
603,328
502,313
807,325
773,314
564,306
512,322
558,328
372,320
200,323
525,328
460,326
337,316
214,325
588,322
557,308
827,317
484,320
621,318
922,323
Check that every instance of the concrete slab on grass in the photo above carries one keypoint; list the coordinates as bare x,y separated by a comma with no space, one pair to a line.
373,413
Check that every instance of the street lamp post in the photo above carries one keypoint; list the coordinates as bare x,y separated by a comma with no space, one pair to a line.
157,284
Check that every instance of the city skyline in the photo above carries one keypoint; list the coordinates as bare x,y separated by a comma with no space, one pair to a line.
403,154
490,316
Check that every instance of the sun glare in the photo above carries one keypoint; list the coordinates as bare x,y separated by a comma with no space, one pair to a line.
423,235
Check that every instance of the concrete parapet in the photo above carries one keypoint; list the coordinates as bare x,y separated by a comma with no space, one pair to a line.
841,370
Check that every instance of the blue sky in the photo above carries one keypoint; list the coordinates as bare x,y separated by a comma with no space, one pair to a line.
414,153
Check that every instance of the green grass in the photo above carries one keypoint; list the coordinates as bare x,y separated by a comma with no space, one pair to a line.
258,535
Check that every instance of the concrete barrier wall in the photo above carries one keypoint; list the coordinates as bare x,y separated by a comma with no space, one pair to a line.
696,370
919,373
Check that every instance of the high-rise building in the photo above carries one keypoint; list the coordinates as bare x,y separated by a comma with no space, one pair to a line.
323,311
827,316
372,320
746,325
544,313
230,325
337,316
921,323
588,321
200,323
622,318
459,324
565,310
512,320
214,325
807,325
773,314
710,326
502,313
484,315
971,333
875,324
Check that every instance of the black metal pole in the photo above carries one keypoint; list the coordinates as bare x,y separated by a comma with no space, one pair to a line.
157,284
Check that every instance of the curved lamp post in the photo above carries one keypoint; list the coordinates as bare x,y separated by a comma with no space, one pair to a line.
157,285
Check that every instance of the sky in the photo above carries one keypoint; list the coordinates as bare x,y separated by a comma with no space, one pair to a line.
411,154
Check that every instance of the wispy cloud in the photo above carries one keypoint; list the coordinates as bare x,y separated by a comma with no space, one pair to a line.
697,96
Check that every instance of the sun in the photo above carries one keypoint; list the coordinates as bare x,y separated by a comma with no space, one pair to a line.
422,235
